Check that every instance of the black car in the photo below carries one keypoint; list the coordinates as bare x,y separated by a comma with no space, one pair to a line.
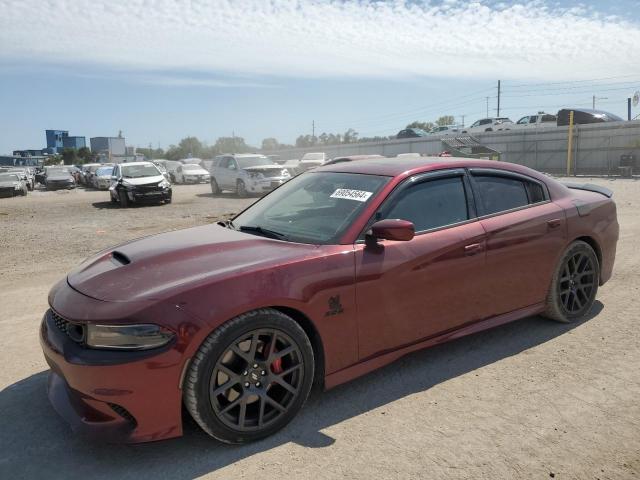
411,133
586,115
57,178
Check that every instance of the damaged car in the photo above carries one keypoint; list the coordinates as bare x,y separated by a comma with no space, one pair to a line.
138,182
246,174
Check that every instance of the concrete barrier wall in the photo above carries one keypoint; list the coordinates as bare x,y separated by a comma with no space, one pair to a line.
597,147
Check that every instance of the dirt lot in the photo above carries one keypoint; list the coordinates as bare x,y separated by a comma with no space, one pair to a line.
533,399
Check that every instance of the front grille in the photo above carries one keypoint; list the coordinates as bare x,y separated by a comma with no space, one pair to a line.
74,331
270,172
148,188
124,413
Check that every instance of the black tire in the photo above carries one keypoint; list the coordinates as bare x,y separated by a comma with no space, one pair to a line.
574,285
124,200
113,199
254,382
488,129
241,189
215,189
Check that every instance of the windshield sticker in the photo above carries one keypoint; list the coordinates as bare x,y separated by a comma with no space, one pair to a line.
348,194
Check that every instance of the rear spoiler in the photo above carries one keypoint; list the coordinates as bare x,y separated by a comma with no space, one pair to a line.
590,187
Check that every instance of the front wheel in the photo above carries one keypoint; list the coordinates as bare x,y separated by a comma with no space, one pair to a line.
250,377
241,189
215,189
574,284
124,200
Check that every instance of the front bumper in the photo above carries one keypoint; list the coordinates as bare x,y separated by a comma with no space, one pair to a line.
141,196
197,179
113,396
265,184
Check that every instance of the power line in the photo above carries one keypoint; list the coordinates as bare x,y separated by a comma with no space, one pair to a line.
521,85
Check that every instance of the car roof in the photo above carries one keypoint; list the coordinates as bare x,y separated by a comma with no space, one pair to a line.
393,167
136,163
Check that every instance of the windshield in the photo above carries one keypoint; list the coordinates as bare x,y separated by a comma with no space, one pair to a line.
138,171
313,208
256,161
104,171
8,177
57,170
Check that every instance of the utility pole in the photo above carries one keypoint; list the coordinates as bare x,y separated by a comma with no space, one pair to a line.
498,98
462,120
487,107
593,104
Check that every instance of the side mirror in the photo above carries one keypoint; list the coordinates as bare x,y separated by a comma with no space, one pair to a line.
391,229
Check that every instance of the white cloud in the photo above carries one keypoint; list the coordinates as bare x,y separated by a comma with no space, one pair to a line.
318,38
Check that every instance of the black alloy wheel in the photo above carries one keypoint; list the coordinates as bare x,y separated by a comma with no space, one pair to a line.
256,380
250,377
575,283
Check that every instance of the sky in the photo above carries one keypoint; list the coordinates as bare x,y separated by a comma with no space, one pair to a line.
161,70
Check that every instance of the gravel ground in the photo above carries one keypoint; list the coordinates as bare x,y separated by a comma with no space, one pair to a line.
533,399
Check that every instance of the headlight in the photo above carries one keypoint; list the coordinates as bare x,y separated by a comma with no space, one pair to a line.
128,185
127,337
164,184
285,173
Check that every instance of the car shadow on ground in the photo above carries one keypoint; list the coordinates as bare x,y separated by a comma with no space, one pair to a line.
35,443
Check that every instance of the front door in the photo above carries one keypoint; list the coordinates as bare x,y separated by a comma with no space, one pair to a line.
409,291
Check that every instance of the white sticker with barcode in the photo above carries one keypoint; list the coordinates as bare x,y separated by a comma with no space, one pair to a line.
348,194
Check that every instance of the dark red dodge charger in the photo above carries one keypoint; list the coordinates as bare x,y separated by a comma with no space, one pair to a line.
339,271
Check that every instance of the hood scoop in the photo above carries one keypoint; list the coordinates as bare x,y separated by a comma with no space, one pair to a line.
120,258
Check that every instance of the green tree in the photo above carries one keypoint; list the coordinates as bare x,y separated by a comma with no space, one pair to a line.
190,147
445,120
350,136
270,144
69,156
426,126
84,155
232,145
151,153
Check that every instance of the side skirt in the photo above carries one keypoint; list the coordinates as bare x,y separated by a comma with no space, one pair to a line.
366,366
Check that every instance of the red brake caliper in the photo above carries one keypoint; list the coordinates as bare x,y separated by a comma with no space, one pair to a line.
276,366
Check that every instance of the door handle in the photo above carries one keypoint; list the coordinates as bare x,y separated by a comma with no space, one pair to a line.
473,249
555,223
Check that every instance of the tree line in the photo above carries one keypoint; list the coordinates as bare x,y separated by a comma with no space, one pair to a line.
193,147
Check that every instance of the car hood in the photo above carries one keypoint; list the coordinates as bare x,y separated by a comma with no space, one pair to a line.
160,266
8,183
143,180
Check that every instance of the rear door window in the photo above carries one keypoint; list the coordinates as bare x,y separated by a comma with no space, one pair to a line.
497,193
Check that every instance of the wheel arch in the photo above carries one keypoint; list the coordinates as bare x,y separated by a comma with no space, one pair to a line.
314,337
593,243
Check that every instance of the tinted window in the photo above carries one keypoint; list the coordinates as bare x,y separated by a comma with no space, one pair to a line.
533,119
498,194
535,192
548,118
486,122
432,204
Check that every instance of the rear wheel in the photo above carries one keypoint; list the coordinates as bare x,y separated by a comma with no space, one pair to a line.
574,284
250,377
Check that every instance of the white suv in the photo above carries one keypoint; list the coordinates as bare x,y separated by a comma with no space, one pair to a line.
312,160
246,173
540,120
489,125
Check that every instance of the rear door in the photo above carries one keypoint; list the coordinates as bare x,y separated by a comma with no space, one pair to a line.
408,291
526,234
